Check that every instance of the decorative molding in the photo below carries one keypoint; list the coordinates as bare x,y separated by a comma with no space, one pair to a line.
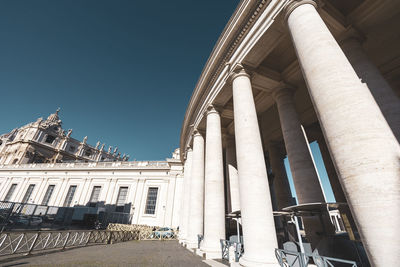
293,4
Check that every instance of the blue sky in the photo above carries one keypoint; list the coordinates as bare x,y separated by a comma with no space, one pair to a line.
121,71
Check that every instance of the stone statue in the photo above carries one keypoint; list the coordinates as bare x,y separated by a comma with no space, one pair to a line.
69,133
102,147
115,150
84,140
97,144
109,149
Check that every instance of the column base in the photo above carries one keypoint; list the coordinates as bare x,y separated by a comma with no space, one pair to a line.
251,263
191,244
212,253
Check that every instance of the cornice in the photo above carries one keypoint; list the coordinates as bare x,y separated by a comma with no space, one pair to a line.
232,35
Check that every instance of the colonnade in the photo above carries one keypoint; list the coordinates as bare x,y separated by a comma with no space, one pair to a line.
362,147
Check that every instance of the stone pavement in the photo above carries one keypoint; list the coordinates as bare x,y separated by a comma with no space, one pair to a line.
133,253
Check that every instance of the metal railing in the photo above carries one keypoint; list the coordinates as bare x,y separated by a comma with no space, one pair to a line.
292,258
226,244
28,242
26,216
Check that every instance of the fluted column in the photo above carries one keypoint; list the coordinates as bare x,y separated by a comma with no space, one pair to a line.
214,201
362,146
232,173
280,180
305,177
385,97
255,201
195,225
186,196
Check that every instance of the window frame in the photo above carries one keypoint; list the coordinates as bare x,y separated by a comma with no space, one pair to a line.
48,194
27,196
9,194
146,200
90,202
72,198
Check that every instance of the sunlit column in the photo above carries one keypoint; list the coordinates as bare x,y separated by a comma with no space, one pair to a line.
232,173
214,201
195,225
362,146
184,221
255,201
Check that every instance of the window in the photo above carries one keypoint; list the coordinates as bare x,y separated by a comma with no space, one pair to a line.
10,192
88,153
28,193
50,139
121,199
48,194
15,161
70,196
94,198
151,200
72,148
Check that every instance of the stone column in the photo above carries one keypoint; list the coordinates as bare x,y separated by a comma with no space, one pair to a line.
195,225
385,97
280,180
255,201
184,222
232,173
330,170
214,201
363,148
305,177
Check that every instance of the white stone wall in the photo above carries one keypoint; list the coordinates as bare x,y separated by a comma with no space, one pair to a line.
167,176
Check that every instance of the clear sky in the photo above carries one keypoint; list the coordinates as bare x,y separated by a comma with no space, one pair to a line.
122,71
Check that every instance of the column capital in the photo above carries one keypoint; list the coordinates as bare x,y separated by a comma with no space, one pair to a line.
282,89
197,132
293,4
237,71
213,109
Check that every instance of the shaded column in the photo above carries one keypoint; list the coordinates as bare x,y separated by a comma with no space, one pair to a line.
232,173
255,201
363,148
195,225
214,201
305,177
385,97
280,180
186,196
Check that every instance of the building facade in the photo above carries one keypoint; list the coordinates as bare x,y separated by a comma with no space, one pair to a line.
285,73
148,190
45,141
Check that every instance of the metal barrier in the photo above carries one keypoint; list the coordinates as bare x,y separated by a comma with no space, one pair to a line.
292,258
26,216
28,242
225,244
199,239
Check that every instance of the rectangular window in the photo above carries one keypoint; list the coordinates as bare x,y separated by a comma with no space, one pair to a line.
94,198
28,193
50,139
151,200
121,199
70,196
48,194
10,192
